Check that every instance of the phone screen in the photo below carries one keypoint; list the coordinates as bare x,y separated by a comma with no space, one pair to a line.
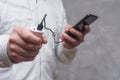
90,19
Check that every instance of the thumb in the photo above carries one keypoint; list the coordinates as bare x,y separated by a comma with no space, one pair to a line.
44,40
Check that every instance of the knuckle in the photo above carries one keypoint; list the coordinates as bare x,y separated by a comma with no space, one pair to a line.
80,35
14,56
12,39
27,37
12,47
39,41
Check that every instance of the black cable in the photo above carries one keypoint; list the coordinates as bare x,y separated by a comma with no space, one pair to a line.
43,23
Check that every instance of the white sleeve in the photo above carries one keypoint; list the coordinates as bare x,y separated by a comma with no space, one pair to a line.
64,55
4,59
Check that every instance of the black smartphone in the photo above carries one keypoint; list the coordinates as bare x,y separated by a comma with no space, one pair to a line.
87,20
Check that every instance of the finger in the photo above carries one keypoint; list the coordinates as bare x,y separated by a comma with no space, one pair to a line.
27,35
67,28
67,45
44,40
17,58
79,35
87,29
20,51
24,44
65,37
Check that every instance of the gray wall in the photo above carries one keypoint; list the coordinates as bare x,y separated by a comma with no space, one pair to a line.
99,56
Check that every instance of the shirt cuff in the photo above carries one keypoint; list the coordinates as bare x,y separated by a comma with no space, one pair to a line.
65,55
3,50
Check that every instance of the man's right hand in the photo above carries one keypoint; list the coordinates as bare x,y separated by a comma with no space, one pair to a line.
24,45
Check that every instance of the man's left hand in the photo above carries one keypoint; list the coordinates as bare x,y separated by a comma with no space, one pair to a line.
69,42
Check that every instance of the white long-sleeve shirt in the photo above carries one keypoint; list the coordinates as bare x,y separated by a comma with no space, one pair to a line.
28,13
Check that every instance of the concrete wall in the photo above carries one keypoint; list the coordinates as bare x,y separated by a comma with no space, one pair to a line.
99,56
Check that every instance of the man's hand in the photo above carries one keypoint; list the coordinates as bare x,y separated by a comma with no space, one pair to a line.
69,42
24,45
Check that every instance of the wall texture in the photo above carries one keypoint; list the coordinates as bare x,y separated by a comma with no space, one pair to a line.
99,56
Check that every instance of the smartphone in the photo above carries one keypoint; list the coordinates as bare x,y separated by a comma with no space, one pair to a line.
87,20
